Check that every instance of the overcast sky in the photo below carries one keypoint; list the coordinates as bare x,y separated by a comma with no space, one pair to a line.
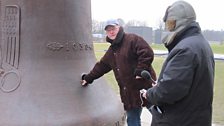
209,12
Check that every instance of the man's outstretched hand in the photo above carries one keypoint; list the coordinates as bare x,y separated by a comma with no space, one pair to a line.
83,81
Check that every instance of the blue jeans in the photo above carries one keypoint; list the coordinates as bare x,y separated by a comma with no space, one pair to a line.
134,117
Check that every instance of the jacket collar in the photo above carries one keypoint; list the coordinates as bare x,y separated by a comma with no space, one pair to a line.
190,30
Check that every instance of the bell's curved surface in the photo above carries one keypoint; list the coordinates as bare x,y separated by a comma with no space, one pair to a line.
45,46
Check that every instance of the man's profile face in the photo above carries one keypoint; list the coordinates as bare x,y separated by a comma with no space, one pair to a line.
170,25
112,31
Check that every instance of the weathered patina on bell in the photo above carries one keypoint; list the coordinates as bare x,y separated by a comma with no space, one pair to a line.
45,46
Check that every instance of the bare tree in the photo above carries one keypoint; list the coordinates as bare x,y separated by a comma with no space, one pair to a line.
97,27
121,22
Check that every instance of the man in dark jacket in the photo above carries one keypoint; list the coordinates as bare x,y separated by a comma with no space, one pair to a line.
127,56
184,91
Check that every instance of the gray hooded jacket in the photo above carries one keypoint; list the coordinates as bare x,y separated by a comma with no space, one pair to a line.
184,91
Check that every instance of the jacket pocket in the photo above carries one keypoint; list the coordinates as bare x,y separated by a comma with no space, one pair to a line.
155,110
158,117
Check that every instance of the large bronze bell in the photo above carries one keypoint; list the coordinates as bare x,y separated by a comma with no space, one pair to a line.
45,46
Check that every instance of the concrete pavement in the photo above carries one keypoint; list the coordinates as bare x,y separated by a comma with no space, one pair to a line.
146,118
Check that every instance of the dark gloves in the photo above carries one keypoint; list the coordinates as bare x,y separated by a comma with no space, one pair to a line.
86,79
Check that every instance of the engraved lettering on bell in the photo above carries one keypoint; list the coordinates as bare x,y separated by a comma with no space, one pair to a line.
54,46
88,47
82,46
67,46
75,47
57,46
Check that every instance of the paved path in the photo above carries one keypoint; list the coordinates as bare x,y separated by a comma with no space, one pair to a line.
146,118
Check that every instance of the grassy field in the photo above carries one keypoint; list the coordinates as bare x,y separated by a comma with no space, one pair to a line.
217,48
218,103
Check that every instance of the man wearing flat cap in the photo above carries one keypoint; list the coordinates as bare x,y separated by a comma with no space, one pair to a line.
128,55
